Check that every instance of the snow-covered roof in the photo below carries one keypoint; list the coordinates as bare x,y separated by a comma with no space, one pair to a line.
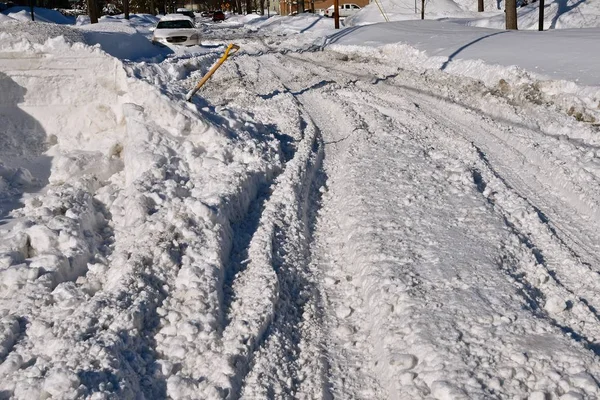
175,17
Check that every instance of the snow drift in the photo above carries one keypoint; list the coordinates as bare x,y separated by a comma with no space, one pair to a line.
128,195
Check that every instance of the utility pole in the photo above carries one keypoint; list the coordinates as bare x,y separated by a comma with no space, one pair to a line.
541,22
336,13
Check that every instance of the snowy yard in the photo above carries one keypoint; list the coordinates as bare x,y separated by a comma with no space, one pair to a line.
401,210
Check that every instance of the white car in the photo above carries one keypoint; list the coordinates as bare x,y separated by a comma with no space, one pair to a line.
346,10
176,29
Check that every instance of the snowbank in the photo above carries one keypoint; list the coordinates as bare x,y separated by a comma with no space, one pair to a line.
139,185
245,19
140,22
306,24
41,15
558,14
122,41
553,66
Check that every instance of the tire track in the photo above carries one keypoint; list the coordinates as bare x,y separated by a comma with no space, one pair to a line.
256,344
583,266
525,251
283,232
281,364
559,291
256,276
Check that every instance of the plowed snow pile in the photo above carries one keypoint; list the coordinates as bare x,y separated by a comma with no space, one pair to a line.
135,208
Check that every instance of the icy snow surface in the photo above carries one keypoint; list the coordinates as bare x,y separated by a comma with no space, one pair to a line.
390,211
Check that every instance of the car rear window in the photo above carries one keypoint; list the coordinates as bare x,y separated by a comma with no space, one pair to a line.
176,24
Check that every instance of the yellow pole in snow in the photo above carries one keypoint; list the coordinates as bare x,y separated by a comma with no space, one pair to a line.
380,6
228,52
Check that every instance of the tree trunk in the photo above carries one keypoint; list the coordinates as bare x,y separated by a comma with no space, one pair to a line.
541,22
336,14
126,8
152,7
92,11
32,5
511,14
480,5
422,9
262,7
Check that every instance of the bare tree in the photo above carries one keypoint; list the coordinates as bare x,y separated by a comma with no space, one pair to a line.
541,22
511,14
480,5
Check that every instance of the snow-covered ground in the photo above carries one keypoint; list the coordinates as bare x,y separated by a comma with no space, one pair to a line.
402,210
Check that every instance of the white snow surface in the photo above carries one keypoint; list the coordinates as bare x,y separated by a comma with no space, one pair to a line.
403,210
558,14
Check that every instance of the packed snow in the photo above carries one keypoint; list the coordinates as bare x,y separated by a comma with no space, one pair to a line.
398,210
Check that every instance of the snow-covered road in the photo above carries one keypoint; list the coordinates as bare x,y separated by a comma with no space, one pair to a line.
454,250
317,224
